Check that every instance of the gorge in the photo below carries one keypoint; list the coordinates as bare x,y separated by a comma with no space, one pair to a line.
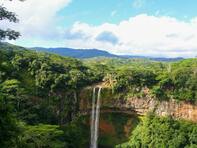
133,108
51,101
98,74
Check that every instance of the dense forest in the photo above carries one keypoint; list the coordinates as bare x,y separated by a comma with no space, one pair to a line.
162,133
166,80
37,88
39,104
41,93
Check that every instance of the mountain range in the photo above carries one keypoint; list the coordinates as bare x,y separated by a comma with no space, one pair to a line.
84,53
91,53
76,53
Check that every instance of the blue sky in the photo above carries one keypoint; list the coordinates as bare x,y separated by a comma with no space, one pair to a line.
136,27
97,12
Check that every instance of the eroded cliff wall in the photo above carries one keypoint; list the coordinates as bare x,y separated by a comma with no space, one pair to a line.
110,102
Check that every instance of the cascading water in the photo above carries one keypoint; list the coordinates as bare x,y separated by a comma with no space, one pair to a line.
95,118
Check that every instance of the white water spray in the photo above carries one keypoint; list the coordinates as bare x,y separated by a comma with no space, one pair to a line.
95,118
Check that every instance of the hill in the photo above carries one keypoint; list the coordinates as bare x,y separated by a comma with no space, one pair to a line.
92,53
76,53
87,53
41,93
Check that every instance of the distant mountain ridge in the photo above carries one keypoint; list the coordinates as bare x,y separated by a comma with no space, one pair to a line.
154,58
76,53
91,53
85,53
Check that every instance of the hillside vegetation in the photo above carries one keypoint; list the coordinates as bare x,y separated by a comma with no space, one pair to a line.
162,133
39,92
165,80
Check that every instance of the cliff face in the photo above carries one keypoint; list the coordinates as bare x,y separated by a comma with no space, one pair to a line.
177,110
173,108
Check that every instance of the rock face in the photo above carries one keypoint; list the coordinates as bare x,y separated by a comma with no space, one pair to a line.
112,103
177,110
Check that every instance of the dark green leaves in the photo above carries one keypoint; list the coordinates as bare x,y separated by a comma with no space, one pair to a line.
11,17
163,132
7,15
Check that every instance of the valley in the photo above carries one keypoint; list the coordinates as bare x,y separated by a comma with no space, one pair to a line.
98,74
46,101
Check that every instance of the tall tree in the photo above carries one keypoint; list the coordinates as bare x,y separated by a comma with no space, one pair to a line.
11,17
9,129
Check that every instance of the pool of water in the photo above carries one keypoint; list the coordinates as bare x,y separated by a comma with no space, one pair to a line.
114,128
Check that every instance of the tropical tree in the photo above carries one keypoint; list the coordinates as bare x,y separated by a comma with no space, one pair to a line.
9,129
11,17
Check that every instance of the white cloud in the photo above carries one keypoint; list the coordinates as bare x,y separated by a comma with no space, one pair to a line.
142,35
139,35
37,17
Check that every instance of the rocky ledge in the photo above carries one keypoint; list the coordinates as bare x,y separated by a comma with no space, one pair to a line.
173,108
176,109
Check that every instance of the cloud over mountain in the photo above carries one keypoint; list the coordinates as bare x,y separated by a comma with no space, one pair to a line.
143,34
107,37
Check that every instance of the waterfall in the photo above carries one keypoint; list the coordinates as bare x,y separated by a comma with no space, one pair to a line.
95,118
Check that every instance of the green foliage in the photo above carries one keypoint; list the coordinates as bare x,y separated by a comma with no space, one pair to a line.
162,132
41,83
9,129
176,80
76,134
129,79
41,89
41,136
159,93
11,17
